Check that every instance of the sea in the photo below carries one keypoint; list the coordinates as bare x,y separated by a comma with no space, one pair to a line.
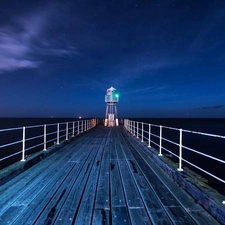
213,146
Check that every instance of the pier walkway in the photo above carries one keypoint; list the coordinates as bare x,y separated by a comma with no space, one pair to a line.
103,177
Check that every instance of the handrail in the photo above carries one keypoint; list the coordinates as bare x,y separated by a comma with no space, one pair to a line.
34,137
143,131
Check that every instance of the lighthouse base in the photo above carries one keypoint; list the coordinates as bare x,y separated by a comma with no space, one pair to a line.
110,121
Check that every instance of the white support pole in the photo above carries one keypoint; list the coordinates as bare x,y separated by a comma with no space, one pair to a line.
137,129
67,127
180,152
82,126
73,129
45,149
142,132
78,127
160,142
23,148
149,135
57,134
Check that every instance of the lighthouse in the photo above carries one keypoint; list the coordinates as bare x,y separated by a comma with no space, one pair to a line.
111,99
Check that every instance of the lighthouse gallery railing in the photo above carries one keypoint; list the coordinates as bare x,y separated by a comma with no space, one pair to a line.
28,142
143,131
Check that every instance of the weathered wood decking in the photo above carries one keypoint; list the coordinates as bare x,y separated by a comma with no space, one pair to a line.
103,177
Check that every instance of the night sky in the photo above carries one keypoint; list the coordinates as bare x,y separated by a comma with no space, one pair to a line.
165,58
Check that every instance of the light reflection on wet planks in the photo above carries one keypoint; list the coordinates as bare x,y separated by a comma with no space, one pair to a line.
103,177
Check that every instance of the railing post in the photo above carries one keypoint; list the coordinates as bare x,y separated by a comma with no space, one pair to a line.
149,135
82,126
180,152
23,148
160,142
142,132
45,138
78,127
137,129
67,127
57,134
73,129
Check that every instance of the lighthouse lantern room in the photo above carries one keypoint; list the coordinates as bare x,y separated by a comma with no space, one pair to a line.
111,99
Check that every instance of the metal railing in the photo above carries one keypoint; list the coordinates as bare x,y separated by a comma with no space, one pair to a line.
143,131
31,139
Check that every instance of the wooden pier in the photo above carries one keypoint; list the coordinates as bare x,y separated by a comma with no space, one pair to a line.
102,177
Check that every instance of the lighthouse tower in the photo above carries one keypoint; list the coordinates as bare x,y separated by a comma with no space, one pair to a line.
111,99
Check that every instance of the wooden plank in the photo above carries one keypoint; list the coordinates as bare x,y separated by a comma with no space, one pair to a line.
116,188
120,215
101,213
53,190
71,208
101,216
163,194
153,206
102,179
68,209
119,151
179,216
174,192
139,216
26,187
84,215
26,201
34,173
133,198
112,151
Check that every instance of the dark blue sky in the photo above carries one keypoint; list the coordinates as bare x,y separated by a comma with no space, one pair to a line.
166,58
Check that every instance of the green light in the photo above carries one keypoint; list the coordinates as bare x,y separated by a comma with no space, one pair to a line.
117,95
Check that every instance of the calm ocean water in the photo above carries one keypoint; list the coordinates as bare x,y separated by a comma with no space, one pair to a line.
207,145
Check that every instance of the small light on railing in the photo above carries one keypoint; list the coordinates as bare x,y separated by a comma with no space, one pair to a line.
223,202
80,117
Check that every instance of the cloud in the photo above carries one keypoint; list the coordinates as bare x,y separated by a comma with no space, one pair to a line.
23,42
132,70
147,89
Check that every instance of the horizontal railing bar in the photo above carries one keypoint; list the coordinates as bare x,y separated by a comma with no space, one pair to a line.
54,132
204,171
9,156
27,149
35,126
170,152
205,134
143,131
170,141
51,140
13,143
70,129
10,129
206,155
32,138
